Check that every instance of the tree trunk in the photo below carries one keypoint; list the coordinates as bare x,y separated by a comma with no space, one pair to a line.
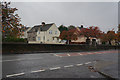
109,42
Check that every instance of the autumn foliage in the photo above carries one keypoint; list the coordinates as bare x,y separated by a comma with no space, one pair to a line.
11,25
71,34
118,36
91,32
110,36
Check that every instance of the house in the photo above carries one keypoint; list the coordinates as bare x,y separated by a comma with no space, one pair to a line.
82,39
24,33
44,33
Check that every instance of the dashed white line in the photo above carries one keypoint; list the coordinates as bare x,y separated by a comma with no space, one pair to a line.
56,55
55,68
87,62
96,52
19,59
90,53
93,76
11,60
38,71
68,66
68,54
80,54
79,64
41,70
15,74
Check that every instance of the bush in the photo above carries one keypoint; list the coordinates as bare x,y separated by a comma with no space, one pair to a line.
104,43
12,39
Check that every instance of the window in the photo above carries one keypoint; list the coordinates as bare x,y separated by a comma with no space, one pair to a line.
55,32
50,32
38,38
43,37
39,32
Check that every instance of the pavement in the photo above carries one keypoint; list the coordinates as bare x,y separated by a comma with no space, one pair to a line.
60,65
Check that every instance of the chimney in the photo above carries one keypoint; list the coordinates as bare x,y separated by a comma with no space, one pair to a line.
82,26
43,23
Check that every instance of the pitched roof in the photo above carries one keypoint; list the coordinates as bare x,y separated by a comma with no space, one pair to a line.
26,28
41,28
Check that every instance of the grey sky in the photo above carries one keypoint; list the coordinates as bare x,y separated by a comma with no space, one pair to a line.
101,14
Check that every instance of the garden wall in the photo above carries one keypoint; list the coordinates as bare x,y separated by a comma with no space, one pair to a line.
30,48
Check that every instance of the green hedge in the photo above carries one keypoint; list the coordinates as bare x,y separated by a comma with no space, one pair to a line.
11,39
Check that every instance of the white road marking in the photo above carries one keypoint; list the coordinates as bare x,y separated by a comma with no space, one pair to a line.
87,62
15,74
80,54
93,76
38,71
79,64
56,55
68,66
11,60
19,59
55,68
60,56
68,54
41,70
90,53
96,52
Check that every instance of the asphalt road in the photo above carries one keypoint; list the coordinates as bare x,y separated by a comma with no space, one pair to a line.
60,65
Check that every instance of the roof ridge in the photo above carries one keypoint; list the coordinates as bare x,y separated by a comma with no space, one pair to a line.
45,24
45,28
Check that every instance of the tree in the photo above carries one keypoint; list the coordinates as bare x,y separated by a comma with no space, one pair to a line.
91,32
103,38
62,28
119,28
118,36
111,36
71,27
69,35
11,25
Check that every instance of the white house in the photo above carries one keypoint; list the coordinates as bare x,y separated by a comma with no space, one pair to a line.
44,33
24,33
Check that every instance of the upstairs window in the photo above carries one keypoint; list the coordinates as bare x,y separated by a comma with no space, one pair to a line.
55,32
38,38
50,32
39,32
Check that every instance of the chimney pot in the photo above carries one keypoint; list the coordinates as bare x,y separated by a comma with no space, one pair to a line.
81,26
43,23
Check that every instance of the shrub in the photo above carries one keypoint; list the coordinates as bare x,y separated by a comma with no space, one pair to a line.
12,39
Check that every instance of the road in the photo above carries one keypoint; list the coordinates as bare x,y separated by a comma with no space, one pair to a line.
60,65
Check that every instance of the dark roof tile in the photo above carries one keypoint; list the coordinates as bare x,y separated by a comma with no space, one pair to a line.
41,28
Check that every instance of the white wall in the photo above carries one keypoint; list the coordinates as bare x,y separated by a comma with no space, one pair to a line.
48,37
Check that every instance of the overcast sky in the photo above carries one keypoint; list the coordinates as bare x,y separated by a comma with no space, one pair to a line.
101,14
